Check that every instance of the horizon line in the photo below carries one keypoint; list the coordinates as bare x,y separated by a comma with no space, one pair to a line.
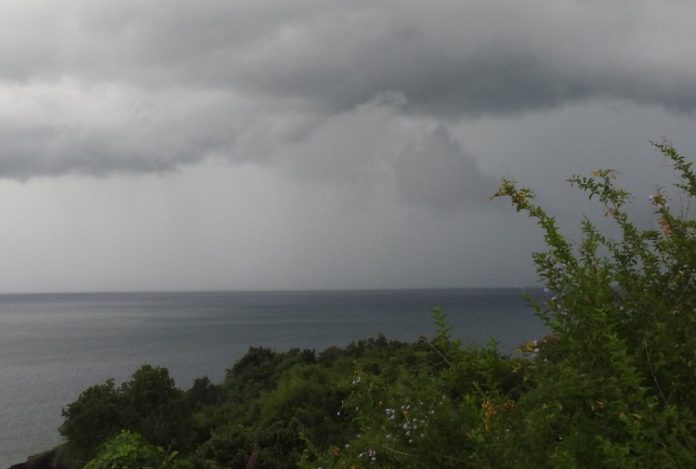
266,290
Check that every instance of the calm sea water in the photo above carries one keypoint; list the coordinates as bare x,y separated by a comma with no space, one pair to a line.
55,345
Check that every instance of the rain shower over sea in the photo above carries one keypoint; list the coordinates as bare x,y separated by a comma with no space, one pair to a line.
53,346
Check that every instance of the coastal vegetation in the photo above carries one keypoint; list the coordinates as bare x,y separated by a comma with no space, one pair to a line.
614,385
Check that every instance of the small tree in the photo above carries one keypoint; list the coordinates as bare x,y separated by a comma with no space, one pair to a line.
94,417
149,404
159,411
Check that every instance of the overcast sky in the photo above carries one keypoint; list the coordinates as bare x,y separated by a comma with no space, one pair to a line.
311,144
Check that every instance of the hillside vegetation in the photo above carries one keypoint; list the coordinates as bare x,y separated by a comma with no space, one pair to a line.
613,386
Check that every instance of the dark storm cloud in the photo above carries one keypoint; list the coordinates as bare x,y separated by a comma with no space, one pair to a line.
445,57
186,80
454,59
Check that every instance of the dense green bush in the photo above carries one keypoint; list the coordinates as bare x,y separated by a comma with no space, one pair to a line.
128,450
95,416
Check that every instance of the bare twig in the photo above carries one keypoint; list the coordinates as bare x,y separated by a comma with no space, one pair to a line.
437,350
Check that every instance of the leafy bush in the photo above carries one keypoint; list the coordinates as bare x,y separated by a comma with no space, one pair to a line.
129,450
623,310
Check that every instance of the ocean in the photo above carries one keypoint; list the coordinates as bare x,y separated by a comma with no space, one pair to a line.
53,346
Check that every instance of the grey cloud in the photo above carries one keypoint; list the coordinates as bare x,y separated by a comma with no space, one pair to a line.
104,130
256,80
57,151
355,147
437,173
374,149
453,60
447,58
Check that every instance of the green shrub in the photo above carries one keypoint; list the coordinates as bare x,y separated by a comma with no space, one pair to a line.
128,450
622,389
